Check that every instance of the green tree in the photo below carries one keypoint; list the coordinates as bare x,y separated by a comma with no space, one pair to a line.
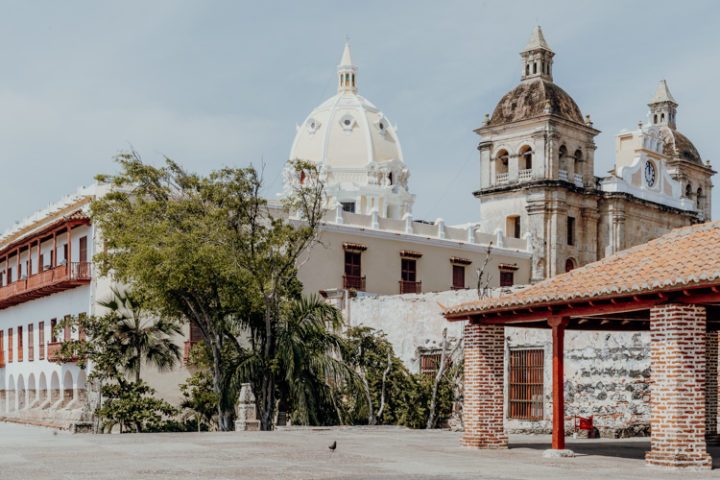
209,250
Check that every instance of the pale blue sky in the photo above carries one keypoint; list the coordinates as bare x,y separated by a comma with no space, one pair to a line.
217,83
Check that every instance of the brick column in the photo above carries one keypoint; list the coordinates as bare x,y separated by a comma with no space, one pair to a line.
711,388
677,405
483,391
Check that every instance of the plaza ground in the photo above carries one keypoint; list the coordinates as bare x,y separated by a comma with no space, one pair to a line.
373,453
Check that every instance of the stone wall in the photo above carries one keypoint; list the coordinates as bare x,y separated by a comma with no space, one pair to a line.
606,374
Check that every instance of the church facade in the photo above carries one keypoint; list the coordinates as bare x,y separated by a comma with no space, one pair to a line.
538,182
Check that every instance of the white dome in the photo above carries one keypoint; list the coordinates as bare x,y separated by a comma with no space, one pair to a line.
346,131
357,150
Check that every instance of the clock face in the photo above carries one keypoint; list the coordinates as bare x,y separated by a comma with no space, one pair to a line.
650,173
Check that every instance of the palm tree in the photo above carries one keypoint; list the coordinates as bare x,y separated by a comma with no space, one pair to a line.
307,364
141,339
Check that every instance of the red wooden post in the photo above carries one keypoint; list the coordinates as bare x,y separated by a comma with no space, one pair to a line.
53,256
558,394
68,260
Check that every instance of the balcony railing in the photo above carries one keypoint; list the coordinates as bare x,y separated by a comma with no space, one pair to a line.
578,180
45,283
354,282
410,287
53,353
563,175
525,175
502,177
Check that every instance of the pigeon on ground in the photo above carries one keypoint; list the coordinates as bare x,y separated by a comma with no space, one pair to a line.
333,446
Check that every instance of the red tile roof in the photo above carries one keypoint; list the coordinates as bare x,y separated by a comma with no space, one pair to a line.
685,257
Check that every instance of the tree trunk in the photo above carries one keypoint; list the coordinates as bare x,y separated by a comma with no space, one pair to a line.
382,388
224,414
432,418
372,420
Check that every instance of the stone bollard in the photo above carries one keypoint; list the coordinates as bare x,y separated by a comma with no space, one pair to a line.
245,414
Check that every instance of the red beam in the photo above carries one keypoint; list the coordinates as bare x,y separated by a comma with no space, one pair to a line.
577,310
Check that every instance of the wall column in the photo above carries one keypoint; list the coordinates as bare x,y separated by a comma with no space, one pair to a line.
677,405
711,388
484,386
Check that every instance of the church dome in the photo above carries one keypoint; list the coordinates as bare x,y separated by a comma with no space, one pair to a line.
346,131
357,151
533,98
678,145
663,112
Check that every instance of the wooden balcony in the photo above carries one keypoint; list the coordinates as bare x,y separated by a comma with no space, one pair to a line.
354,282
410,287
53,353
52,280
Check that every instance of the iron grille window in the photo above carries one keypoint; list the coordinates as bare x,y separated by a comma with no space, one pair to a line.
526,384
458,276
429,364
507,278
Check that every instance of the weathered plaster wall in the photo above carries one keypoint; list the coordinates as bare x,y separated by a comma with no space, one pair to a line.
606,374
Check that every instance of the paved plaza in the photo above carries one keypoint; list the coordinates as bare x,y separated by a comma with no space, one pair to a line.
31,453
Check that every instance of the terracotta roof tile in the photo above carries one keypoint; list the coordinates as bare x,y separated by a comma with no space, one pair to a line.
688,256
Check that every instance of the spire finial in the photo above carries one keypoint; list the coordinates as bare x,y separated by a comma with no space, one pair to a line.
537,57
347,71
663,106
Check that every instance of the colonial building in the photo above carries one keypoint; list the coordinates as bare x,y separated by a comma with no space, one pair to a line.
537,173
542,211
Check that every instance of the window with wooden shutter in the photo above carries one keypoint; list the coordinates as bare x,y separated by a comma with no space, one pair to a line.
507,278
67,331
10,345
20,344
83,244
408,270
41,341
195,333
53,335
353,266
458,277
526,384
2,348
31,342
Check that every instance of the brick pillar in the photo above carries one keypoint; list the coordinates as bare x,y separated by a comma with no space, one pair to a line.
677,405
483,391
711,388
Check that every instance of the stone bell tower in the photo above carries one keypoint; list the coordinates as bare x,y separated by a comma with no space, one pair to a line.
536,165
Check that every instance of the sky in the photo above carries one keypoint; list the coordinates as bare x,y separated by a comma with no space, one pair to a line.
224,83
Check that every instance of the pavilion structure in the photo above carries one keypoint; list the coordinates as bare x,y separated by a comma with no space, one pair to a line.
669,286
